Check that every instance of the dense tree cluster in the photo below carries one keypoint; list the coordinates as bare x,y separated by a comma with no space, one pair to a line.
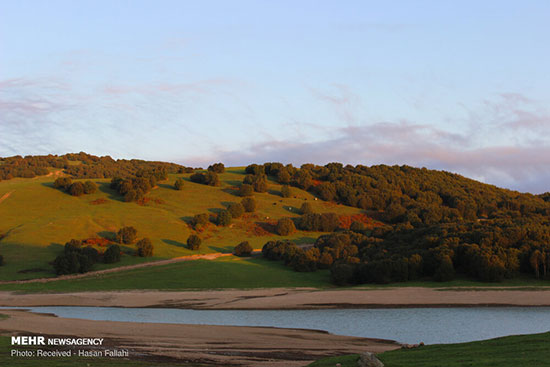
78,259
206,178
293,256
285,191
285,227
243,249
257,181
200,221
29,166
246,190
75,188
323,222
217,167
135,188
236,210
224,218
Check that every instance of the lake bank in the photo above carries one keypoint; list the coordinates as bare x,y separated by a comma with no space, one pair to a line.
288,298
211,345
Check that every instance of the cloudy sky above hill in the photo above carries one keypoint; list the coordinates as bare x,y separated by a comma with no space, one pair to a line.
462,87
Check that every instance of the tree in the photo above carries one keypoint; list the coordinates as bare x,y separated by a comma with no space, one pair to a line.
178,185
536,260
243,249
1,260
62,183
194,242
206,178
285,227
224,218
76,189
126,235
341,274
89,187
144,247
246,190
249,204
285,191
200,221
236,210
217,167
306,208
112,254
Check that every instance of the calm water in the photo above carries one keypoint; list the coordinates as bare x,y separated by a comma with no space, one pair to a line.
407,325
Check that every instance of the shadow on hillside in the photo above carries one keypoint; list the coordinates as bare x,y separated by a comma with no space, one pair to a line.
187,219
233,182
105,187
48,184
111,236
304,241
274,192
292,209
225,250
230,191
174,243
167,186
215,210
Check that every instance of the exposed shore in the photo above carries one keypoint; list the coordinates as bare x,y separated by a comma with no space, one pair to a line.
211,345
283,298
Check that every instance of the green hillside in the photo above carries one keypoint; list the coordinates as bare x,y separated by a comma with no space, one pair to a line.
37,219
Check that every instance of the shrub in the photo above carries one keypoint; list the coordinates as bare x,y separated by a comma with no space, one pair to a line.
200,221
112,254
63,183
194,242
243,249
126,235
285,227
236,210
217,167
73,246
246,190
224,218
66,264
285,191
144,247
1,260
306,208
89,187
178,185
76,189
341,274
206,178
91,253
249,204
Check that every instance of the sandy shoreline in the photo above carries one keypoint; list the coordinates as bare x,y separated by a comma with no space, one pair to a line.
282,298
212,345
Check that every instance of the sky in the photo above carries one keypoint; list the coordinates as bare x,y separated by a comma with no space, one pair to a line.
461,86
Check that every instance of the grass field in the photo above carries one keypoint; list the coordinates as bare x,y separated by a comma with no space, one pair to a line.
37,220
511,351
222,273
7,360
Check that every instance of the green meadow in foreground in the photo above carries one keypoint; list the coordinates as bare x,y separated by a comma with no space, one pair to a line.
37,219
230,272
511,351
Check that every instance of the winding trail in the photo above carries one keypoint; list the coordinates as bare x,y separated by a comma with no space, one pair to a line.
5,196
120,268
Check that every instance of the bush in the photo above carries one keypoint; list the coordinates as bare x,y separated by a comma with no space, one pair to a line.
126,235
249,204
306,208
224,218
73,246
89,187
63,183
112,254
217,167
285,227
236,210
285,191
194,242
178,185
206,178
76,189
243,249
1,260
144,247
66,264
246,190
341,274
200,221
91,253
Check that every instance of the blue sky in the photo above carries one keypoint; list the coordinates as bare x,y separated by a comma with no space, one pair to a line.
461,86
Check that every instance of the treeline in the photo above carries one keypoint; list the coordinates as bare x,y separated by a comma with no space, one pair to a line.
83,165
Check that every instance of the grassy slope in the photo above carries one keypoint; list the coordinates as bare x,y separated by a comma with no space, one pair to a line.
511,351
229,272
38,219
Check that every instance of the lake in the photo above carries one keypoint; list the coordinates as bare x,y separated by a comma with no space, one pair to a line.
406,325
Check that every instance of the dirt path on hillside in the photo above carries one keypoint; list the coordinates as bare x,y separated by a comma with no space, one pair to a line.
207,344
121,268
5,196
